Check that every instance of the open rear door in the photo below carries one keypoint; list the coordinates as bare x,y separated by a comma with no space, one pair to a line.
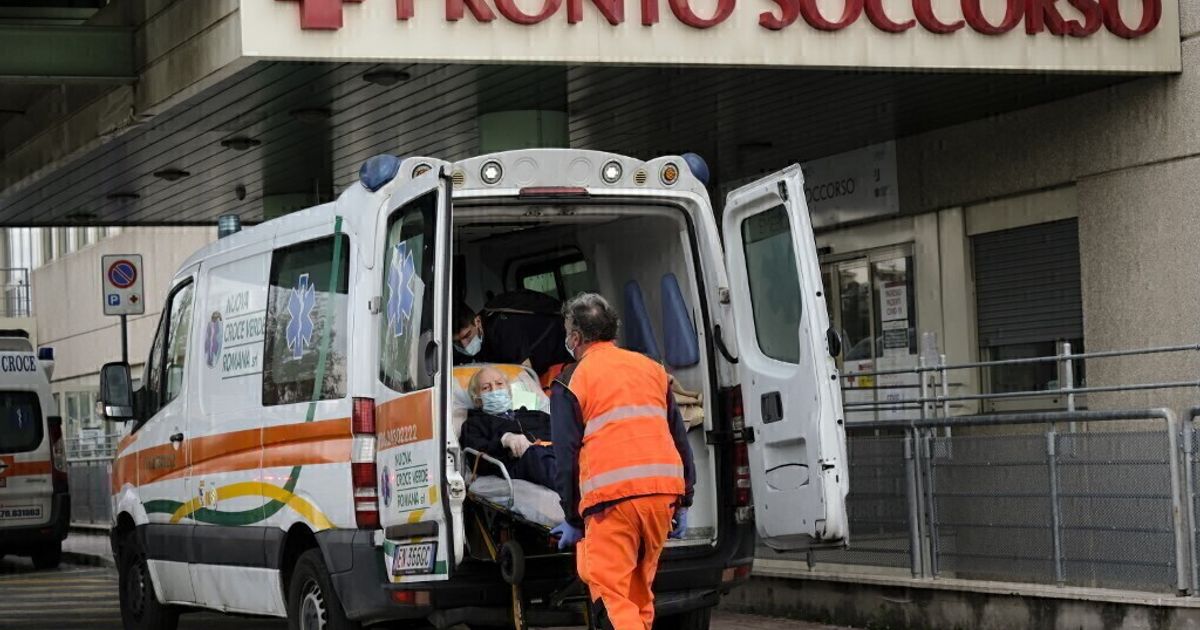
793,405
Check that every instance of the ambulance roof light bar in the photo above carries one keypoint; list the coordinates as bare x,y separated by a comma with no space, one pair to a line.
378,171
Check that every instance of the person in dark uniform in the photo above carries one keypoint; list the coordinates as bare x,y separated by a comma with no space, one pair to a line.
519,438
513,328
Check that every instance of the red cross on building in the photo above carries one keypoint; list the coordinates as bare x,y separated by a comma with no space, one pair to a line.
321,14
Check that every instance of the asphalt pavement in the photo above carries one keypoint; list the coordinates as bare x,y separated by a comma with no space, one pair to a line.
85,597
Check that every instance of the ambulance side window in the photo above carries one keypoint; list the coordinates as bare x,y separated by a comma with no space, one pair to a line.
170,348
408,269
306,323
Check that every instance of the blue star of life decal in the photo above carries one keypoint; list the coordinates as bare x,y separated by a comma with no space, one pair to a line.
402,275
300,308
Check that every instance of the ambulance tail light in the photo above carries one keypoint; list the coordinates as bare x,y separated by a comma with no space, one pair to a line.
362,464
742,497
58,455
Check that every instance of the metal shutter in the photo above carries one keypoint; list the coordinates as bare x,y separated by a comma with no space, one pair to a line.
1027,284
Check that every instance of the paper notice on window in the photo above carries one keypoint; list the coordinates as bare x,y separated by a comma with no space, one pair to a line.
894,302
895,337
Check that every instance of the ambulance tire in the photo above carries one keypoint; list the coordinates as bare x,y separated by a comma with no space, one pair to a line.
313,603
140,608
698,619
48,556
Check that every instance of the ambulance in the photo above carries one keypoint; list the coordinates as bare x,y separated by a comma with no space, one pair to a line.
293,451
35,502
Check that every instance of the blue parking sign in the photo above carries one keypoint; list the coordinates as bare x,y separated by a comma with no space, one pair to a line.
114,299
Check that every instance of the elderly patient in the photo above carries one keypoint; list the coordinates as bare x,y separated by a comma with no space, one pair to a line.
520,438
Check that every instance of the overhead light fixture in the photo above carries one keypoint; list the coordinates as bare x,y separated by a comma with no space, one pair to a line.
240,143
171,174
124,196
386,77
311,114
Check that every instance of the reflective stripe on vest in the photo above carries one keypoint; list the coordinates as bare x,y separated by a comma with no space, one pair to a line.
629,472
624,413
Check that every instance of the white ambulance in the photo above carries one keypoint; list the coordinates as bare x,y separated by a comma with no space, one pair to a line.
35,502
294,449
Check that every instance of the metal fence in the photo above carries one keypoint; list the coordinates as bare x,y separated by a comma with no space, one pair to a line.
91,494
1073,497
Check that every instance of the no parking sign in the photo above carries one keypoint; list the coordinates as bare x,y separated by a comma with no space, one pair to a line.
122,282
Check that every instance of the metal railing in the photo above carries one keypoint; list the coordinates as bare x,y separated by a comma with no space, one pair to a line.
17,299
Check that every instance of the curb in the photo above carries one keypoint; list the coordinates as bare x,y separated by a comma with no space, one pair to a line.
87,559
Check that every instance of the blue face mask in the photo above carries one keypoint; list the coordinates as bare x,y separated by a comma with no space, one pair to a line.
496,402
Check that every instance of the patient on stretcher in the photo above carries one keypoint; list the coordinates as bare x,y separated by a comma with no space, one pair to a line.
520,438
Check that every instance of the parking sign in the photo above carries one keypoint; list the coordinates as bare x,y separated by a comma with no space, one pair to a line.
122,284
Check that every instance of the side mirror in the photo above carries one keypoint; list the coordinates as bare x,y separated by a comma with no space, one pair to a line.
116,392
834,341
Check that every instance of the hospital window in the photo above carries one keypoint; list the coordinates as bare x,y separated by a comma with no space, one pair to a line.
1028,299
774,283
872,304
407,325
306,323
561,278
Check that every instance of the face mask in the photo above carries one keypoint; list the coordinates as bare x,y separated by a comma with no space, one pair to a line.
496,402
473,346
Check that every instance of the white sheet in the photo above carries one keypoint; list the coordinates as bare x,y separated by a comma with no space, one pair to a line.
536,503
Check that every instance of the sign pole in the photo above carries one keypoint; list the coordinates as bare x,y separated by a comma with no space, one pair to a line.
124,340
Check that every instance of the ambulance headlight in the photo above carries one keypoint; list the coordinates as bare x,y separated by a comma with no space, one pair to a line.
611,173
491,172
697,166
378,170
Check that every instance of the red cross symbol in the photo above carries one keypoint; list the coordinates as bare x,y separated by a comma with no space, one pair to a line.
321,14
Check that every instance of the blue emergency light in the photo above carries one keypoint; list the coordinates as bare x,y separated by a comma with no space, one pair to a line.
697,166
45,353
378,170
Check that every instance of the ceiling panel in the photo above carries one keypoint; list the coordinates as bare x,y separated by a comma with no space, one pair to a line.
745,121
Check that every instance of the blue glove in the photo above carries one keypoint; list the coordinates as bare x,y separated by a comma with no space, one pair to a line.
567,534
679,523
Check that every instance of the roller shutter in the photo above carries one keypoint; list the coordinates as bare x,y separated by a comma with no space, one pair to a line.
1027,284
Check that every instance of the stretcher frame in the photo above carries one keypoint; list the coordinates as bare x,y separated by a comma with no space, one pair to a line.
501,528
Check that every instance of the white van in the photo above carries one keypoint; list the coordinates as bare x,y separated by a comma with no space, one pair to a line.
35,502
294,450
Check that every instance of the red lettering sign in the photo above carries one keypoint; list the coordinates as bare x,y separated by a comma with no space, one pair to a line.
1039,16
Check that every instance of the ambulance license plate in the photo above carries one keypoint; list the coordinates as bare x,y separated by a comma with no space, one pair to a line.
414,559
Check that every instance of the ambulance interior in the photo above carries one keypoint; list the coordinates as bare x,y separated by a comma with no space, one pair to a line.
641,259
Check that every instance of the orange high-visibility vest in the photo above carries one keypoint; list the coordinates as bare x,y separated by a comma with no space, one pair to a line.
627,449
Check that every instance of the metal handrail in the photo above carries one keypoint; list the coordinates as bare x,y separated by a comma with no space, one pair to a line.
1027,360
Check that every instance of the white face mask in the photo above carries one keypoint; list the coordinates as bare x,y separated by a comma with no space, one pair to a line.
473,346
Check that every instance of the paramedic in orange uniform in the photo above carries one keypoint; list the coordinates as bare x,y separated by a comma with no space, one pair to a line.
625,471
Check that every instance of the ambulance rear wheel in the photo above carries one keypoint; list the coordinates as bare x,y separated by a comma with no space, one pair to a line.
512,563
698,619
140,608
48,556
312,602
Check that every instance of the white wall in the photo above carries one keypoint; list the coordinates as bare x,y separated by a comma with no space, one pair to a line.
68,308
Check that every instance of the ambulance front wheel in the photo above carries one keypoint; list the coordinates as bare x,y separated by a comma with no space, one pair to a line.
140,608
512,563
312,602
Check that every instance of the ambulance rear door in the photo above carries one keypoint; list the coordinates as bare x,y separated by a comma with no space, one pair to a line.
412,371
792,402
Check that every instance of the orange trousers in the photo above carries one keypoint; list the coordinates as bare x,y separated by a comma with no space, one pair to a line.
618,558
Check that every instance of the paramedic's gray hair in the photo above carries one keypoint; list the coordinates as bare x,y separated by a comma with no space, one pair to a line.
592,316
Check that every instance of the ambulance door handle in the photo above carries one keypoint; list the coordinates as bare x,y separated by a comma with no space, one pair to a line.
431,358
178,437
772,407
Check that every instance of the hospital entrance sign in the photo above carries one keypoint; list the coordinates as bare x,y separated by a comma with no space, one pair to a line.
1127,36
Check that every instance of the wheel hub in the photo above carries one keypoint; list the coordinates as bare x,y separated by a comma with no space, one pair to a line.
312,607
